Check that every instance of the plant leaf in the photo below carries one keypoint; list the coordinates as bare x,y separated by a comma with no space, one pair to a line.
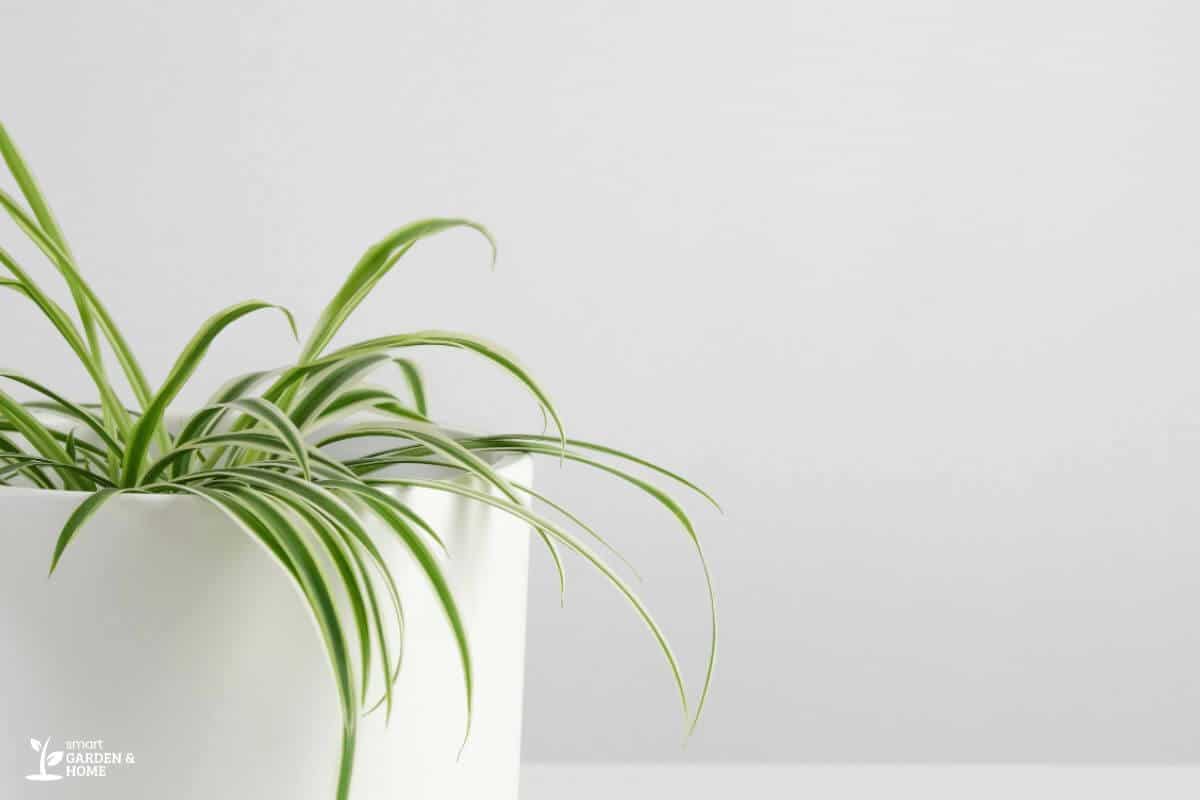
264,523
271,415
383,505
463,341
370,269
365,398
89,305
151,421
20,463
66,328
263,441
67,408
539,448
49,228
436,441
80,515
412,375
33,195
8,449
313,400
208,418
519,511
40,438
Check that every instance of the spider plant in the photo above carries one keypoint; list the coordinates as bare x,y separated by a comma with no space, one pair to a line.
259,452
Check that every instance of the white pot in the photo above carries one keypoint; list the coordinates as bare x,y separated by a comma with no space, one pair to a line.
168,634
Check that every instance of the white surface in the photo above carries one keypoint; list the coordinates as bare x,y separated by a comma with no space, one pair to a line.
866,782
167,633
944,252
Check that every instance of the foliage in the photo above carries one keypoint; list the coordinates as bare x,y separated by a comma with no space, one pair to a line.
259,452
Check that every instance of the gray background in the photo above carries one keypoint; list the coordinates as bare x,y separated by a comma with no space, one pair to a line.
909,285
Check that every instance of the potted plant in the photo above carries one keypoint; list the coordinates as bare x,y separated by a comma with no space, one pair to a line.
168,656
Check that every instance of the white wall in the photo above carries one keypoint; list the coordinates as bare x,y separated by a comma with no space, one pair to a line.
911,286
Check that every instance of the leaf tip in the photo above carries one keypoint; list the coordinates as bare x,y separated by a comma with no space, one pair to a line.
291,320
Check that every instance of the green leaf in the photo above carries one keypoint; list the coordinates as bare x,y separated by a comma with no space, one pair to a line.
20,463
26,286
342,558
49,227
435,441
67,408
462,341
529,445
312,401
259,518
33,195
519,511
185,365
91,309
599,448
320,499
412,375
273,417
9,448
556,557
208,418
370,269
384,507
250,458
264,441
582,525
82,513
314,584
40,438
388,675
360,399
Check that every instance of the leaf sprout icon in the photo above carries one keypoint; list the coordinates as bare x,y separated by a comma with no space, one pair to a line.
46,759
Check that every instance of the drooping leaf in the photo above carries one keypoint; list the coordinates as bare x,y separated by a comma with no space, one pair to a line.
82,513
540,448
255,515
369,270
462,341
382,505
416,385
519,511
435,441
610,451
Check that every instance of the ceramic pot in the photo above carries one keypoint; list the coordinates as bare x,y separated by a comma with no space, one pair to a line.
170,656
